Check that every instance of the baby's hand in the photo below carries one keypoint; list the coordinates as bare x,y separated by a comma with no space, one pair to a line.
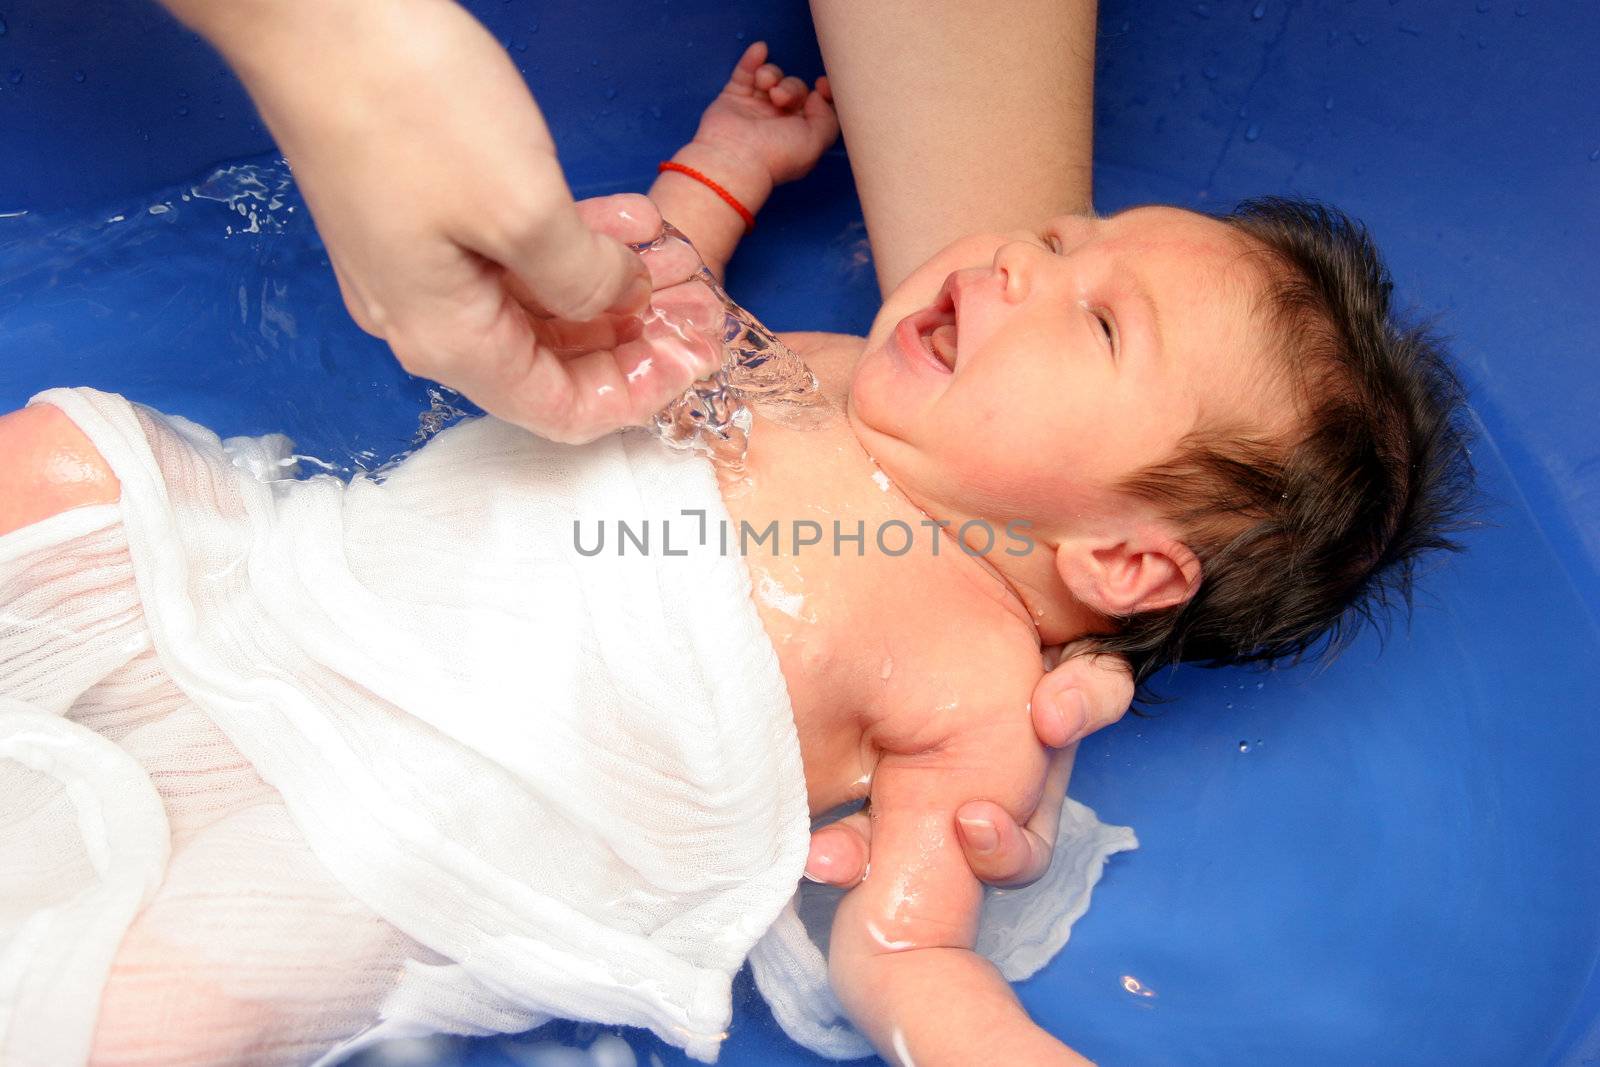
776,121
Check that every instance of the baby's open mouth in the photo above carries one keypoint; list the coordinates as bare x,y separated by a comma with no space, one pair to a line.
936,327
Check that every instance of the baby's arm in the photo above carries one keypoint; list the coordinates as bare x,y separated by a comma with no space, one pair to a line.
762,130
901,956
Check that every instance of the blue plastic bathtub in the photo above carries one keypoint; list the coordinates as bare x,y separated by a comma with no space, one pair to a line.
1392,861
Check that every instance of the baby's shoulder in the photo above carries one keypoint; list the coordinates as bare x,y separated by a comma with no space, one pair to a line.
960,729
961,679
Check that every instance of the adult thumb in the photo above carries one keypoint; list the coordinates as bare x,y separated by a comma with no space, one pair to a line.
572,272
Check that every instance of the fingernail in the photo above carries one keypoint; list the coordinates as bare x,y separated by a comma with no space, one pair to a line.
821,863
981,834
1071,711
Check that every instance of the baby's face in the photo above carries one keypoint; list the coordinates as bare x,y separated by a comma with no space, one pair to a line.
1024,375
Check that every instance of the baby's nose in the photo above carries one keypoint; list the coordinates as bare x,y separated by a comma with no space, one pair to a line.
1017,262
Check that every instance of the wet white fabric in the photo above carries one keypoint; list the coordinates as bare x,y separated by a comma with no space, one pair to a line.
293,766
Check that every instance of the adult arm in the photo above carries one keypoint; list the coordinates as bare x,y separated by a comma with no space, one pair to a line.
434,183
960,116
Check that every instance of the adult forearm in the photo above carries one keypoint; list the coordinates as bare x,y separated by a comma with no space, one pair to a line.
942,1006
960,116
230,25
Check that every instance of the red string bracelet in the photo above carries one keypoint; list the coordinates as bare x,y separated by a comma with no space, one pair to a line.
727,197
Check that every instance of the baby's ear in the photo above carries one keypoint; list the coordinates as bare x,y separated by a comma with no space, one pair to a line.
1144,570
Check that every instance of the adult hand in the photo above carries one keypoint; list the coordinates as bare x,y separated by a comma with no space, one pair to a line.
1078,696
434,183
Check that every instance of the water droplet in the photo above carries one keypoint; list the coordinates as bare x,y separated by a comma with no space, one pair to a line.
15,77
1203,10
182,111
1210,73
1327,105
1136,987
522,46
533,27
1415,31
739,36
655,111
1230,707
2,27
1594,156
1483,6
1244,109
1244,746
1261,9
1361,38
1250,135
1522,10
611,94
182,95
78,76
1260,685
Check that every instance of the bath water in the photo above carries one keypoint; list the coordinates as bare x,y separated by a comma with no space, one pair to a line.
759,374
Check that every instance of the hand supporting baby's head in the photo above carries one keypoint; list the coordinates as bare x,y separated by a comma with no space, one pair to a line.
1224,442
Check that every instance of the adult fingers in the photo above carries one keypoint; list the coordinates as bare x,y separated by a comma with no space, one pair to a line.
1003,853
1082,694
565,267
840,851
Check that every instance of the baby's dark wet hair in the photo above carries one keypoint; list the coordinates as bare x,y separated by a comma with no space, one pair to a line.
1302,541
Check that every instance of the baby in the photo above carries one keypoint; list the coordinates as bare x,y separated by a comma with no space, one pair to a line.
499,778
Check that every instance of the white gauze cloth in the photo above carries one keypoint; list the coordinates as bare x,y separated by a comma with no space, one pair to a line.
295,766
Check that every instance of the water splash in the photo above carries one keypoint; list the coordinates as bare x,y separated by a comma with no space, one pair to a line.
759,374
255,193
